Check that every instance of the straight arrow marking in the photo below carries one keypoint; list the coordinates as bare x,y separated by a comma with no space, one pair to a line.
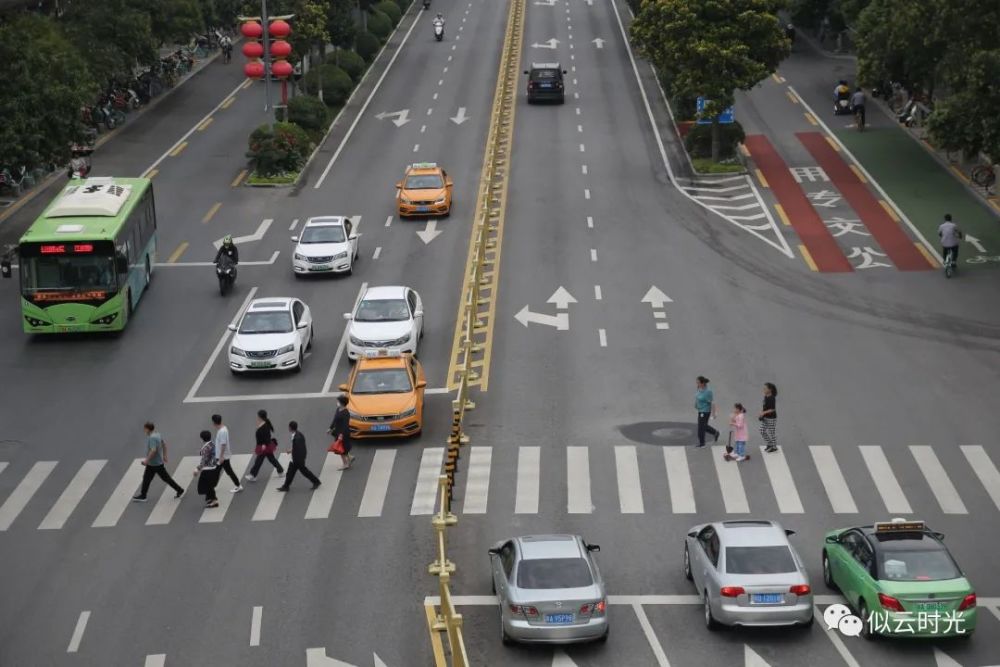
460,117
430,232
599,42
561,298
656,298
256,236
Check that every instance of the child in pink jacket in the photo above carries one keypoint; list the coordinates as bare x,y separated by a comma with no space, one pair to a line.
738,422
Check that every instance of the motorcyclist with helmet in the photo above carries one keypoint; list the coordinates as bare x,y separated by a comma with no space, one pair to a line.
228,248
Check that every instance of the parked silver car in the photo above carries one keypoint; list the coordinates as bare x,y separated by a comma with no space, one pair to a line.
549,590
748,573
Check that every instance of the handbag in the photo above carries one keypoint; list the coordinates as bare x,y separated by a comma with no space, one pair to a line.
273,447
337,447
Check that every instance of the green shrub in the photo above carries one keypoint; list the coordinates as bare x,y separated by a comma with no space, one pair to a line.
280,150
699,140
350,62
368,46
379,25
337,85
390,9
404,5
310,114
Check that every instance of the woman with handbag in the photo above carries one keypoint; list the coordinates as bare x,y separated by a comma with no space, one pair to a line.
267,444
208,470
340,429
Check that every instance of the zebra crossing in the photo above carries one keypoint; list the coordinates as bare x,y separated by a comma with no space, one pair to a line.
645,479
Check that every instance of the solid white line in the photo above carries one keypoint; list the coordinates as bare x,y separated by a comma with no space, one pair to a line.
191,131
378,251
838,642
593,254
597,293
270,500
340,347
20,496
364,107
218,347
321,501
81,626
590,222
885,481
647,629
373,498
167,504
388,221
240,463
71,497
941,485
833,480
294,224
426,491
629,487
120,497
578,499
156,660
255,625
730,482
782,482
436,390
528,476
602,336
679,480
987,473
477,483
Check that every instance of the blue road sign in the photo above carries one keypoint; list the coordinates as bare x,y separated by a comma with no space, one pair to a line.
725,117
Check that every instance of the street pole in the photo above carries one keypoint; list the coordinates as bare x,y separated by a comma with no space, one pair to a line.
267,58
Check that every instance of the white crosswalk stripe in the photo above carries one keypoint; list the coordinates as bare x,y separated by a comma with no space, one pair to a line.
730,483
378,483
938,480
71,497
271,498
679,480
322,499
529,470
167,504
578,499
239,462
782,482
3,465
833,480
885,481
426,492
20,496
629,486
115,506
985,470
477,485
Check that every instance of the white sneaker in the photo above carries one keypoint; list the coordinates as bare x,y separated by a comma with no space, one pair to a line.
236,489
250,478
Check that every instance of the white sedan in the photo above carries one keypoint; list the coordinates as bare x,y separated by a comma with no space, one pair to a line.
273,334
385,317
327,244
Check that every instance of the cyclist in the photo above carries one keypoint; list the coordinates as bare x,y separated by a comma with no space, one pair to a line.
858,105
950,236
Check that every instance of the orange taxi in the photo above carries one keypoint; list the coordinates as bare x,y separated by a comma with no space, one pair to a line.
424,190
386,395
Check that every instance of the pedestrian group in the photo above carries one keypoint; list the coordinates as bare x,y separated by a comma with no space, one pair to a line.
736,448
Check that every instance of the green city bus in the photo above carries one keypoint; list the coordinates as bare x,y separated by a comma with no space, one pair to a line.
85,263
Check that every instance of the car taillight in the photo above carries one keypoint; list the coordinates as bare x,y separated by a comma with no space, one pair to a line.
594,608
889,602
800,589
731,591
523,610
968,602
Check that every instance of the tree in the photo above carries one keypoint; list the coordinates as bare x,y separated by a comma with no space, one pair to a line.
308,26
709,48
111,36
340,23
46,82
900,40
175,21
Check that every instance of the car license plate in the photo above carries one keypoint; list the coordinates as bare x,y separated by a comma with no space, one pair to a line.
382,427
260,364
423,209
559,619
321,267
766,598
930,606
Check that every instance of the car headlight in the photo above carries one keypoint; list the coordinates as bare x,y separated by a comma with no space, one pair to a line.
398,341
286,349
340,255
356,341
404,200
107,319
237,351
354,415
299,257
440,201
409,413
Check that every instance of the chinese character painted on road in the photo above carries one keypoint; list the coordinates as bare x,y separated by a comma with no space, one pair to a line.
824,198
867,256
811,174
841,226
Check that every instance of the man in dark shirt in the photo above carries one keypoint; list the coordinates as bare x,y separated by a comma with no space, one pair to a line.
298,452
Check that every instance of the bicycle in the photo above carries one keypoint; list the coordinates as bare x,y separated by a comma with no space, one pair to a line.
950,261
859,118
984,175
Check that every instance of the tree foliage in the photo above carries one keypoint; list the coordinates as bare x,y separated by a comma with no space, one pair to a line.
368,46
392,10
111,36
335,82
379,25
281,149
340,23
174,21
351,63
310,114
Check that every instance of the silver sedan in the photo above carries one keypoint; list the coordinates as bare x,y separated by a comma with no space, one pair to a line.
747,573
549,590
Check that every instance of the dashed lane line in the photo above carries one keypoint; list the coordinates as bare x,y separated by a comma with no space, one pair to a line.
255,618
81,626
239,178
211,212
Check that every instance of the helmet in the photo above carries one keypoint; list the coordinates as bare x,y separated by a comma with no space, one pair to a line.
227,240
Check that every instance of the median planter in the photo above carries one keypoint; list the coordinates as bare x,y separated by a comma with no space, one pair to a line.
279,153
698,144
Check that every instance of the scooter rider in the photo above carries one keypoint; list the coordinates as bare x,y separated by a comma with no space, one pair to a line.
228,248
438,20
841,92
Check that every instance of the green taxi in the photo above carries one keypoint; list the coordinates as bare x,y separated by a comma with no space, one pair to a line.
900,579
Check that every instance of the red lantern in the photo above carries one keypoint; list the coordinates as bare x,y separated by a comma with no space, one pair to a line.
280,49
279,29
253,50
254,70
252,30
282,69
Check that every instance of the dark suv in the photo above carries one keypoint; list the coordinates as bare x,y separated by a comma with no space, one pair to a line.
545,82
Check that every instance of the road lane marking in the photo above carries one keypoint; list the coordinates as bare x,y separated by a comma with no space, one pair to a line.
810,262
597,292
579,128
528,478
985,470
602,337
888,209
930,260
218,347
578,499
791,97
833,479
115,506
830,141
423,128
477,483
578,111
321,501
885,480
590,222
583,169
156,660
176,254
247,83
760,177
728,472
782,482
24,491
211,212
440,82
937,478
340,346
72,495
205,123
255,618
679,480
651,638
240,463
228,101
583,148
378,483
388,221
152,173
271,499
81,626
167,504
629,485
445,71
593,254
239,178
179,149
416,147
425,492
378,251
586,193
295,223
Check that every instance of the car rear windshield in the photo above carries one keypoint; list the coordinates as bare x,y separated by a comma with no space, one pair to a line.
545,74
920,565
759,560
554,573
424,182
323,234
270,322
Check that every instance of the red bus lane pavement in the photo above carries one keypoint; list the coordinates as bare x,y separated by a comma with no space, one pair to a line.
903,251
822,251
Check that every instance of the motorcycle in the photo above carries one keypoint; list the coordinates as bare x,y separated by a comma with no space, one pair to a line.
79,166
439,31
225,270
842,105
427,4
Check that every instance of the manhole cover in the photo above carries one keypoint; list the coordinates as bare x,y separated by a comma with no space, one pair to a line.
660,433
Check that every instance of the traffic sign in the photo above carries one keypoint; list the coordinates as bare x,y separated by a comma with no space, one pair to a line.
725,118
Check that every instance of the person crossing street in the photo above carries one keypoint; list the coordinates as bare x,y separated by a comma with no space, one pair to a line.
223,451
704,403
155,462
298,452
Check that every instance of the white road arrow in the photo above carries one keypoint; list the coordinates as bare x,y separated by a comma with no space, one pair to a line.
656,298
429,233
550,44
976,243
256,236
599,42
561,298
547,3
460,117
560,659
559,321
402,117
752,659
317,657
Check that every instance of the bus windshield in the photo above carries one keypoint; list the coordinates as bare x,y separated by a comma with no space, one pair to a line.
67,272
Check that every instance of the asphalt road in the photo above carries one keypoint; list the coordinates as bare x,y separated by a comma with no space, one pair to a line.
895,362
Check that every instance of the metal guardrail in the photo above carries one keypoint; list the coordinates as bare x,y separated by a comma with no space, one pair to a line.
479,299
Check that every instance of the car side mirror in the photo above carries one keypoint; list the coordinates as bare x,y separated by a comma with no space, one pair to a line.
343,387
421,384
399,185
302,325
693,533
353,236
232,327
450,183
348,316
832,539
593,547
295,238
418,313
493,551
526,72
565,72
789,532
5,269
